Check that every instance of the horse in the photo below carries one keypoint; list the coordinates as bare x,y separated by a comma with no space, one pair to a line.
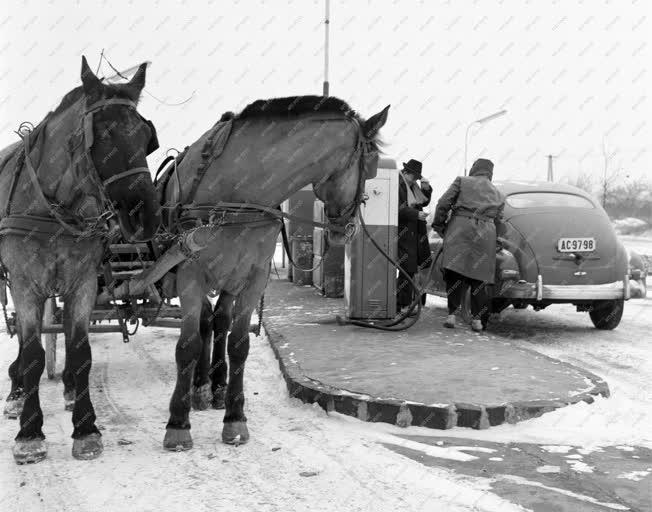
81,166
276,147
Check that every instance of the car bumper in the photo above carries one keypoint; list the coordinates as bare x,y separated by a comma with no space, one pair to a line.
540,291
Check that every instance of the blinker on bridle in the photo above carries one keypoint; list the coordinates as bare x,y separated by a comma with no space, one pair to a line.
89,138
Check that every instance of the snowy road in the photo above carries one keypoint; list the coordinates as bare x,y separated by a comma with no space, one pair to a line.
300,458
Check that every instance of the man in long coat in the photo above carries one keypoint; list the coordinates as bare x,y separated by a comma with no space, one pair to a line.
475,207
413,246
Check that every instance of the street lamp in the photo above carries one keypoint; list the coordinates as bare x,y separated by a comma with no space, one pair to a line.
478,121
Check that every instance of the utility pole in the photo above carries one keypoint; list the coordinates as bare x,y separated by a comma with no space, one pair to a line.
550,175
327,22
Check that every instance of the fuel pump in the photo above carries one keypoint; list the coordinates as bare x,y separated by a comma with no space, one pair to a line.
300,234
369,278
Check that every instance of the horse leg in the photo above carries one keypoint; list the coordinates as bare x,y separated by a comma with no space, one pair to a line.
188,351
201,390
15,398
30,442
222,317
78,306
235,422
67,376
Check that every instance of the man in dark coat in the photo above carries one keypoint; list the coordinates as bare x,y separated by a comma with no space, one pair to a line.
413,246
469,253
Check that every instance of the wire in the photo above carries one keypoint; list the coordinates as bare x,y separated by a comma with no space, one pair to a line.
99,64
391,325
118,73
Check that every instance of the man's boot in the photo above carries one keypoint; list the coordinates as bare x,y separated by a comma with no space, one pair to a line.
450,322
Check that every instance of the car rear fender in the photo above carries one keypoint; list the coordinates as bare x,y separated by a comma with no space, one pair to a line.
517,244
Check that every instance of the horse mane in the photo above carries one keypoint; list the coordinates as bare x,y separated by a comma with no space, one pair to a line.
292,106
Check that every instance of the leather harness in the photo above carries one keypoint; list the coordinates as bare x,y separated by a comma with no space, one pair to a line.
59,222
226,214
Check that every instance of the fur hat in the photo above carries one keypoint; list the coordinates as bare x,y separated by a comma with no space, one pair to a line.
482,167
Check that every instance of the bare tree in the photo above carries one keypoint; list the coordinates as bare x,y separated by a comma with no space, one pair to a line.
609,178
583,180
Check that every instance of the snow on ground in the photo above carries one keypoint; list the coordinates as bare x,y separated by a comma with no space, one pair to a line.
622,357
342,467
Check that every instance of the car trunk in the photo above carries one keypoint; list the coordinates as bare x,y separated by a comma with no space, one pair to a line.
572,268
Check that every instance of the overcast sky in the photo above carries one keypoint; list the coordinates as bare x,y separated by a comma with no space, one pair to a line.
570,74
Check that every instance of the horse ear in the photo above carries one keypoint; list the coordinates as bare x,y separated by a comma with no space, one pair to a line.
375,123
138,80
89,81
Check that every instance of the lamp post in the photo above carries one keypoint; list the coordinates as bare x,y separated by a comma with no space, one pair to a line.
478,121
327,21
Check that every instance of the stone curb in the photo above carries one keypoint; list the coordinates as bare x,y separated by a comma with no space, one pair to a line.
405,413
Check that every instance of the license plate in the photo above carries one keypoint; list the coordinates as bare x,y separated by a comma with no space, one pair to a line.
576,244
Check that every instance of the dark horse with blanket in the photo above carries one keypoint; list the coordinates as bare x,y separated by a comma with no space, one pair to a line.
230,206
81,166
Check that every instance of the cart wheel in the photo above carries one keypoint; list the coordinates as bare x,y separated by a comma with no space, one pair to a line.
50,340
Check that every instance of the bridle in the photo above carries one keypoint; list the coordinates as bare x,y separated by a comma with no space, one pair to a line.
345,222
90,227
89,139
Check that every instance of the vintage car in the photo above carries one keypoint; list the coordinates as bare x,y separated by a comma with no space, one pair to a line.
558,246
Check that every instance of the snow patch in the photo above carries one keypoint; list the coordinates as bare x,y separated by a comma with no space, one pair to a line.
524,481
636,476
625,448
557,448
548,469
580,467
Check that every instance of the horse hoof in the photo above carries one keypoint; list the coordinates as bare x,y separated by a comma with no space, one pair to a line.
177,440
202,397
219,394
30,451
13,408
88,447
69,400
235,432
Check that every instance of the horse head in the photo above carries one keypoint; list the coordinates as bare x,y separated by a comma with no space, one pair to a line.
342,190
117,140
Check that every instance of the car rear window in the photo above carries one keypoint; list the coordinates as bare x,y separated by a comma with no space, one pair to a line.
547,200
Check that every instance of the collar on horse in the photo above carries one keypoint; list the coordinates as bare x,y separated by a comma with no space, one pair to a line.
75,226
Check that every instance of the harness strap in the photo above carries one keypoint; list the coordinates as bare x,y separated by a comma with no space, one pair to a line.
236,208
39,192
20,158
27,224
110,101
125,174
162,167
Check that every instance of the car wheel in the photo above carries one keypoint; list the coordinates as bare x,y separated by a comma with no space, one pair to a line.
520,305
606,314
